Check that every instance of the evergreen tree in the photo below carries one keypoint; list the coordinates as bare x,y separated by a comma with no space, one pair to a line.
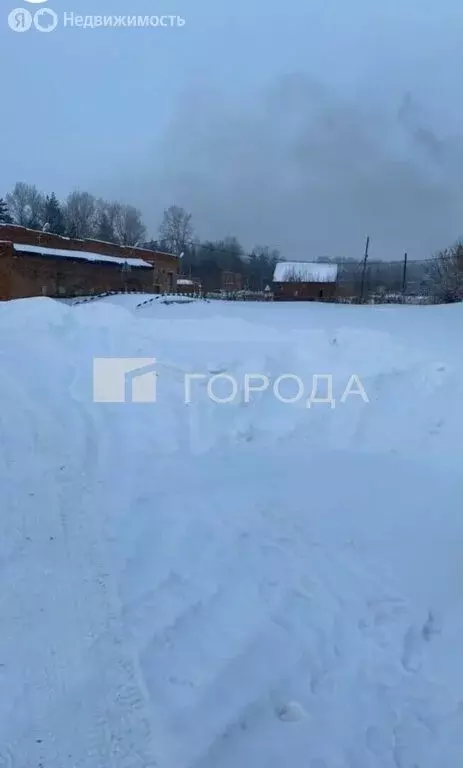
5,217
104,229
53,215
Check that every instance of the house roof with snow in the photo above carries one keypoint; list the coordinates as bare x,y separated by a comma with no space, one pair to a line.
304,272
63,253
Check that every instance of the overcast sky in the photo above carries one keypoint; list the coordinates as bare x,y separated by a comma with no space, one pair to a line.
303,125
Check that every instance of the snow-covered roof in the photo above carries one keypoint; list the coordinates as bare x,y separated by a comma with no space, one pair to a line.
305,272
88,241
133,248
182,281
84,255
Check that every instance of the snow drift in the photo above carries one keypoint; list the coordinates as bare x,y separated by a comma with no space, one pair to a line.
255,583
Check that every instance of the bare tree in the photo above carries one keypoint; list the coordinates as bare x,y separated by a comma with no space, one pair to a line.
445,274
26,205
80,214
176,230
127,224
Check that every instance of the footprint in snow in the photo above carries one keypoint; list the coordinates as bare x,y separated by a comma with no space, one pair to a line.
414,643
291,712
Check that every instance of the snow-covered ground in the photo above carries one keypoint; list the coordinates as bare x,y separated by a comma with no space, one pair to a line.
253,583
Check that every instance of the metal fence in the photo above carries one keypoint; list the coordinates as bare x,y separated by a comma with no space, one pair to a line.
386,281
372,282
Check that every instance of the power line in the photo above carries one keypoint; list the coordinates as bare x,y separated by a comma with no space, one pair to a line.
208,246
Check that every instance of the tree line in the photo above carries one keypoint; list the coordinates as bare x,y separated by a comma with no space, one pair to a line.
84,216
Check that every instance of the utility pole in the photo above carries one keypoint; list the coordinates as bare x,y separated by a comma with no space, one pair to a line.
404,278
367,245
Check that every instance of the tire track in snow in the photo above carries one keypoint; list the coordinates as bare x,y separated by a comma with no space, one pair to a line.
196,664
75,615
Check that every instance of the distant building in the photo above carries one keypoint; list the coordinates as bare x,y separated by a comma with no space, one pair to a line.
190,285
231,281
304,281
34,263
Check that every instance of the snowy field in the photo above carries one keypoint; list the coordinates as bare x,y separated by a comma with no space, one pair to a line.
213,585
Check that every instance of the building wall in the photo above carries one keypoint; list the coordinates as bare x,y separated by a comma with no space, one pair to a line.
193,288
304,291
26,275
231,281
17,234
5,271
165,265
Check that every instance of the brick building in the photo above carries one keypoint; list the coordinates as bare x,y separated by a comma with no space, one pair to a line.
231,281
189,285
304,281
34,263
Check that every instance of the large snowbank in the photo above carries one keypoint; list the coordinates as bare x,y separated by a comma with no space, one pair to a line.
209,585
